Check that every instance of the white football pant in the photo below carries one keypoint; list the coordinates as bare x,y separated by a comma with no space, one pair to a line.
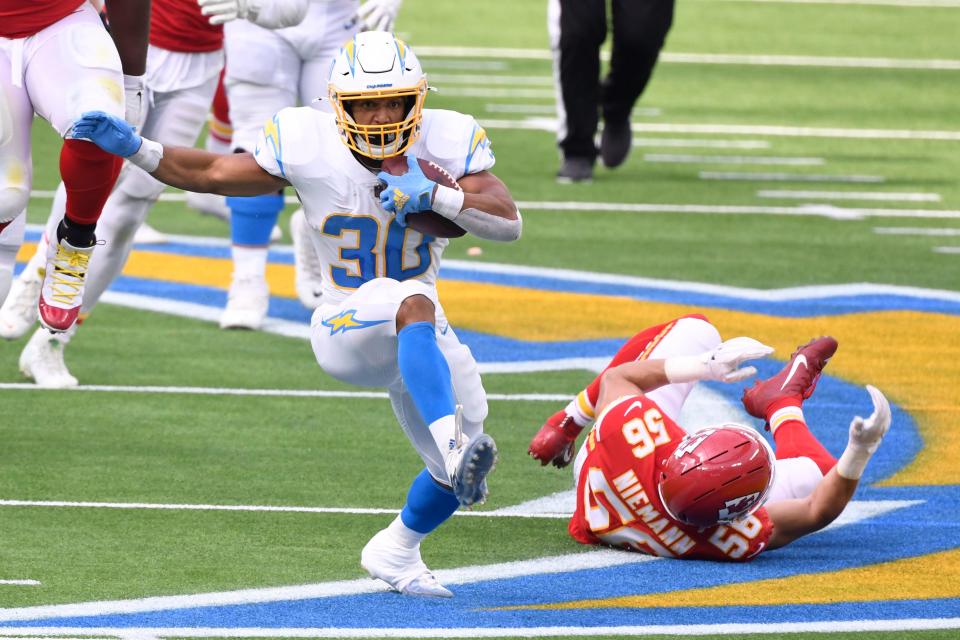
356,341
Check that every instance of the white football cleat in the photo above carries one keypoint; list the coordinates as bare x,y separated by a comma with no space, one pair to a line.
148,235
42,360
247,304
61,293
386,559
308,272
19,311
209,204
469,464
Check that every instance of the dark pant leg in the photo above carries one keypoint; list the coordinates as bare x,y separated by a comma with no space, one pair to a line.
583,27
639,30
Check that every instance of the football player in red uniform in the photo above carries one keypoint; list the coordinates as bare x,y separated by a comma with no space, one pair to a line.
645,484
58,61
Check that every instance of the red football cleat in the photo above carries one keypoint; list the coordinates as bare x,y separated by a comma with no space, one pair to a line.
796,380
554,442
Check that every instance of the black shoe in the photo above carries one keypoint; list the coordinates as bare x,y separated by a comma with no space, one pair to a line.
615,143
575,170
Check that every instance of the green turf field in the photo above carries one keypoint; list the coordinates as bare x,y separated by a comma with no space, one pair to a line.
870,90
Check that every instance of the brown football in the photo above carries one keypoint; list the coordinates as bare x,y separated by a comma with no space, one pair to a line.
429,223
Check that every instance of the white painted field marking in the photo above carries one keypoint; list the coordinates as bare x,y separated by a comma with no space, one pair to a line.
916,231
278,393
926,4
788,177
802,210
587,560
734,629
706,58
550,124
20,583
763,160
706,144
891,196
947,250
477,80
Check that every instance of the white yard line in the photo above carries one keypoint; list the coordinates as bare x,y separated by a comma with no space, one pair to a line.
925,4
916,231
788,177
886,196
276,393
947,250
735,629
682,158
706,144
550,124
705,58
20,583
540,566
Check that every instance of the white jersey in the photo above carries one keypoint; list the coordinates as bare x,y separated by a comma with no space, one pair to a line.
358,240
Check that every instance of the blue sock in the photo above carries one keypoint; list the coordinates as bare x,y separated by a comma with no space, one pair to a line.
428,504
425,371
252,219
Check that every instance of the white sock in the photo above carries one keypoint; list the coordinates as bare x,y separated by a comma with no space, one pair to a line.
249,262
444,432
580,410
404,535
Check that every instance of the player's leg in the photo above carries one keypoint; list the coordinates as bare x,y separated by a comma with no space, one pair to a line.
262,77
11,237
639,30
16,172
70,68
801,459
577,28
689,335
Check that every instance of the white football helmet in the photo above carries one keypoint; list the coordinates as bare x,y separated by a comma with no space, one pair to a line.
377,64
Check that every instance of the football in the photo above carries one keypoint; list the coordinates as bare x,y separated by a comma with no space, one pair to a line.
429,223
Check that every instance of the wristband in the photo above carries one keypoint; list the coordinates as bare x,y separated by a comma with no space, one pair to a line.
148,156
852,462
685,369
447,201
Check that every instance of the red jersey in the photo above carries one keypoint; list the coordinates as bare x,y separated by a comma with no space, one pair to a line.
178,25
22,18
617,499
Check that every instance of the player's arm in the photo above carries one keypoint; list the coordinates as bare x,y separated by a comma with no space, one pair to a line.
483,208
795,518
130,29
720,363
184,167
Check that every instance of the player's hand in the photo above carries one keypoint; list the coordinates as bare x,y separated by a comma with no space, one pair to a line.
378,15
866,433
135,100
410,193
723,361
108,132
554,443
222,11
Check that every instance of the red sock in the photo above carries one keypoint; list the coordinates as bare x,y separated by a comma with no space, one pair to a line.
219,126
793,436
637,348
88,174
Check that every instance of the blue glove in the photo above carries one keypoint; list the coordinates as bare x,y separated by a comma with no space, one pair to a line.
410,193
108,132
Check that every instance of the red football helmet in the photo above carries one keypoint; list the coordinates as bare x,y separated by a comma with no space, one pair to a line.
717,475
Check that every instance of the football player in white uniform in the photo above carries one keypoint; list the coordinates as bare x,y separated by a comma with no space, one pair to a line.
380,323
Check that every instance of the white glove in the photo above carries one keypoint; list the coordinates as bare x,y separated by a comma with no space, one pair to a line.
865,437
866,434
135,100
720,363
378,15
221,11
